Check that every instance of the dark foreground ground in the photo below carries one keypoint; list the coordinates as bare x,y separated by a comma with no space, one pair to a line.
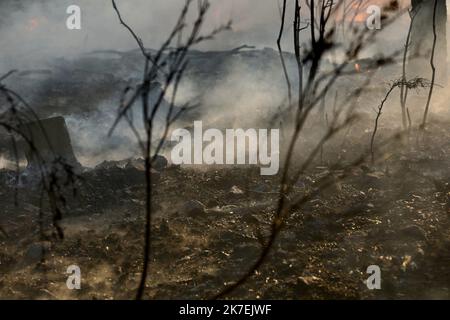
208,226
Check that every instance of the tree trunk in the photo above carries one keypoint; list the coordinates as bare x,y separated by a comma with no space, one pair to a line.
422,40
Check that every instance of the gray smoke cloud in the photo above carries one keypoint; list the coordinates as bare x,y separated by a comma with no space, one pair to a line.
34,33
32,30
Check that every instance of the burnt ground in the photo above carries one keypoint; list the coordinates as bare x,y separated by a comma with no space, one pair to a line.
209,227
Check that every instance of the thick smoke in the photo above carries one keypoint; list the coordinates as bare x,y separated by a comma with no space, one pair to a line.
33,35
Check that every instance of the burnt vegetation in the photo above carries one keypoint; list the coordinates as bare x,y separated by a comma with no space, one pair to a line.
363,179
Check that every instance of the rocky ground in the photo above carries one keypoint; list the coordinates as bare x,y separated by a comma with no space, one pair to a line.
209,226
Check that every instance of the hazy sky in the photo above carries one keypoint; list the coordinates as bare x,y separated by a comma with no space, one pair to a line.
38,29
41,25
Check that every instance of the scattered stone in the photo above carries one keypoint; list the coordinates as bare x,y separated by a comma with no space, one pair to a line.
305,283
376,175
193,208
36,252
107,165
309,280
236,191
229,209
160,162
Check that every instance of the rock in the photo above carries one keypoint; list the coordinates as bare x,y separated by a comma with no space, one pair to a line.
229,209
414,231
215,211
375,175
213,203
305,283
251,219
308,280
36,252
193,208
236,191
160,162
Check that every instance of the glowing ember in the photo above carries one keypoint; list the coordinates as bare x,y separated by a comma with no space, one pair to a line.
360,17
32,24
357,67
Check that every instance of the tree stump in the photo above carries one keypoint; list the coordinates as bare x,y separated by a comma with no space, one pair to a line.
51,139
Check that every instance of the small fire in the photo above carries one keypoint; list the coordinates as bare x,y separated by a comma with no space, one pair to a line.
360,17
33,24
357,67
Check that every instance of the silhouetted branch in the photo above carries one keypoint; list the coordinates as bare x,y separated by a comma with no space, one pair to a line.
172,62
55,176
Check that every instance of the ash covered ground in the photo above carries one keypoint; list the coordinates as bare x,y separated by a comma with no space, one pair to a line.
209,224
